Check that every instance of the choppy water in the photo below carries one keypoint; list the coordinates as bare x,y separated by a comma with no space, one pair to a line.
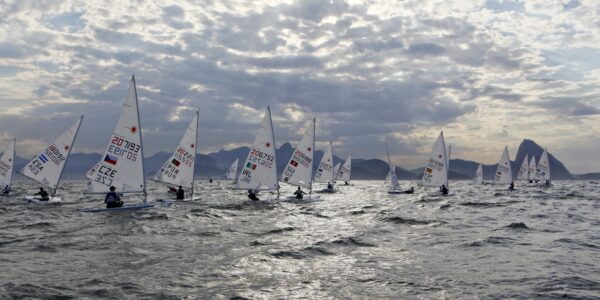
482,242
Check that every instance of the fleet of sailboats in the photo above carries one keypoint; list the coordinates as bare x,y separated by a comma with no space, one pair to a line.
122,166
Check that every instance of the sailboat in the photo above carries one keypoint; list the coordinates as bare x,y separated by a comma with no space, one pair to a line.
542,171
231,173
523,173
47,167
343,174
6,167
531,170
436,170
259,171
299,169
325,172
179,169
122,164
393,177
478,179
504,171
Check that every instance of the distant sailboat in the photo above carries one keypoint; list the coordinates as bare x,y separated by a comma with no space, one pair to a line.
531,170
231,173
524,169
504,172
436,170
299,169
179,169
478,179
6,167
543,169
343,174
259,171
325,172
393,177
122,164
47,167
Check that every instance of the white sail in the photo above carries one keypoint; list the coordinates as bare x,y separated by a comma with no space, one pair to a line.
436,170
524,169
325,170
336,170
260,168
298,171
232,171
6,165
504,172
392,172
178,170
543,167
344,172
532,168
46,168
122,164
478,179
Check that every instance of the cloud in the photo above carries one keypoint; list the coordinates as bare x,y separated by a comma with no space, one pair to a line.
366,70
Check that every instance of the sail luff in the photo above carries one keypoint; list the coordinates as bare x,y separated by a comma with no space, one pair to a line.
68,154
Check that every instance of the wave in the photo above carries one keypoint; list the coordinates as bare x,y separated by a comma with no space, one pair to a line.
492,240
408,221
573,242
278,230
517,226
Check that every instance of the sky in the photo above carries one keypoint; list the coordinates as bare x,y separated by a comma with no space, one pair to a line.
487,73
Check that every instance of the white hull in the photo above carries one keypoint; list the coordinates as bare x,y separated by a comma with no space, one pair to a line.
37,200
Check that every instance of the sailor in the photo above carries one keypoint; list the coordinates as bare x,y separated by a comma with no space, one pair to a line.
444,189
6,189
412,190
511,187
252,195
299,193
43,195
330,186
180,195
210,180
346,183
547,182
112,199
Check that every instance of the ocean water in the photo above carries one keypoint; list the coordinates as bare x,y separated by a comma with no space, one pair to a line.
482,242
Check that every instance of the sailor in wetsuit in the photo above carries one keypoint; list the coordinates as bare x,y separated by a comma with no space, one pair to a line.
299,193
444,189
330,186
43,195
511,187
6,189
180,195
112,199
252,195
410,191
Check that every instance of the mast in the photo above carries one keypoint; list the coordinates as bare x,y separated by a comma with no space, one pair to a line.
137,106
68,155
332,167
195,147
448,165
274,146
313,160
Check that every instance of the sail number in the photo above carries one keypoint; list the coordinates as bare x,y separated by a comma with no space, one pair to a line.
35,166
184,156
54,154
261,158
124,148
105,175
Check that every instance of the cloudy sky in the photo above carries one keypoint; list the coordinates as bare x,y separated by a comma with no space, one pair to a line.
487,73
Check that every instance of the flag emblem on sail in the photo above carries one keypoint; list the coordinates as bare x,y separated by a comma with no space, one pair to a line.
429,170
111,159
176,162
43,158
293,163
251,166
